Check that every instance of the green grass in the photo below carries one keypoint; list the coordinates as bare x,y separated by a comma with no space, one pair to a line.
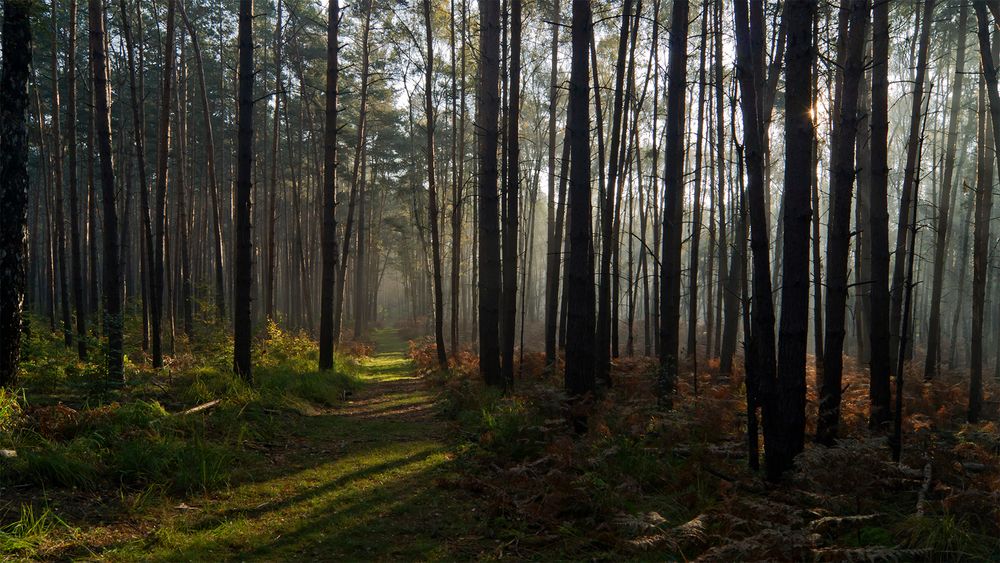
285,469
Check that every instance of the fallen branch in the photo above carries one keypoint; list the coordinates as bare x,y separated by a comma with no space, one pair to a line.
201,407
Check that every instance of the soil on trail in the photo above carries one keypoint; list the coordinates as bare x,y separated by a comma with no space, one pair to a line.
360,481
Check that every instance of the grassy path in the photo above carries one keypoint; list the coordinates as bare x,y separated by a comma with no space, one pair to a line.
358,482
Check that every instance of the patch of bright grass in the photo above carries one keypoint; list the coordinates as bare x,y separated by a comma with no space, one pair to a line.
24,535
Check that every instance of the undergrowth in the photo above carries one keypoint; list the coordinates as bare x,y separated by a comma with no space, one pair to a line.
64,429
675,484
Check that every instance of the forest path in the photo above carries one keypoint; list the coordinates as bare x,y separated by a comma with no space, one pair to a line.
356,482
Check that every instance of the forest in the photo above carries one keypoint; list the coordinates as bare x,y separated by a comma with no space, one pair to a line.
709,280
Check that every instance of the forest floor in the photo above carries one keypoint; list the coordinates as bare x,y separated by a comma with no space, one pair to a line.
360,480
389,458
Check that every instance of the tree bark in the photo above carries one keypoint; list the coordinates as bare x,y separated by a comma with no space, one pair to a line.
489,198
112,291
442,355
909,180
329,225
243,260
838,240
673,210
14,182
943,223
579,375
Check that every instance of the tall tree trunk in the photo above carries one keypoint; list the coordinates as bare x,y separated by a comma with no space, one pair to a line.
57,169
553,252
880,369
162,153
511,226
696,213
794,329
213,177
329,225
984,207
673,210
579,376
357,171
79,302
112,291
243,260
272,210
761,361
14,181
943,222
909,180
458,181
838,240
608,204
489,198
432,191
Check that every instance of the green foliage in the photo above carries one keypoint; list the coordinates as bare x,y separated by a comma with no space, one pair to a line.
24,535
10,410
76,463
942,534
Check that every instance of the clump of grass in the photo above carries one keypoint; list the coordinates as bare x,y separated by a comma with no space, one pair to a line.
942,535
24,535
76,463
10,410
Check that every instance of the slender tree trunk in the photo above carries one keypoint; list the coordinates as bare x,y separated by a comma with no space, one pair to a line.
673,178
943,223
57,169
329,233
272,211
162,153
432,193
14,182
357,171
553,252
909,180
213,180
839,238
74,208
794,329
489,198
984,207
879,220
511,216
696,213
608,203
761,362
243,260
113,320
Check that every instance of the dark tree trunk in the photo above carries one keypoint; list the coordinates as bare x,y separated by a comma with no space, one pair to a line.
909,180
984,207
879,220
511,216
162,153
113,319
553,252
608,205
760,363
14,181
838,240
79,302
220,288
243,260
57,169
794,329
943,223
579,376
673,180
432,197
329,225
